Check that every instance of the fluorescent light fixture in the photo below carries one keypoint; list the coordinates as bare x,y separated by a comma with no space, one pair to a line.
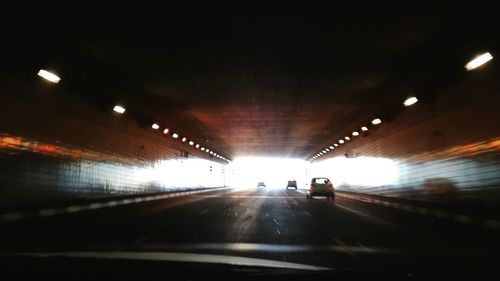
49,76
335,144
202,149
364,129
341,141
197,146
175,135
347,138
155,126
165,131
410,101
478,61
191,142
355,133
119,109
376,121
184,139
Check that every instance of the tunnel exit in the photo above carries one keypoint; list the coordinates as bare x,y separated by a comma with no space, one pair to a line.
247,172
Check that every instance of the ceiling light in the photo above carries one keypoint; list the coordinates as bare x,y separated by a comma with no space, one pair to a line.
331,147
410,101
119,109
211,152
364,129
347,138
478,61
341,141
376,121
191,142
175,135
165,131
155,126
335,144
327,149
197,146
202,149
49,76
184,139
324,151
355,133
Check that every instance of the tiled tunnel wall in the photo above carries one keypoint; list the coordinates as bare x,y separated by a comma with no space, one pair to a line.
444,150
54,146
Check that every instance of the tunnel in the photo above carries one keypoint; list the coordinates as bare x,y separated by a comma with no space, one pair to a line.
313,138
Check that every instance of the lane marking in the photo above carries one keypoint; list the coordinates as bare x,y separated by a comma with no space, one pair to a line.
46,212
489,223
365,215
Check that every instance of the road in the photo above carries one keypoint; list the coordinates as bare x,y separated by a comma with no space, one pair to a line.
278,224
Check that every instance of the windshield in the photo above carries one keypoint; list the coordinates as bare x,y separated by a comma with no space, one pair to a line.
201,129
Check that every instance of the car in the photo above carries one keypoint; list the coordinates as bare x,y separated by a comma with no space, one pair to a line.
321,187
261,184
291,184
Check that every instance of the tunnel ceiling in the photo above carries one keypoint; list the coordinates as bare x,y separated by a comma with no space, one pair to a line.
267,80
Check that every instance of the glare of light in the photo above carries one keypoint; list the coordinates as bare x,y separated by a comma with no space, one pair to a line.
191,142
364,129
478,61
175,135
331,147
341,141
49,76
355,133
347,138
184,139
119,109
197,146
336,145
155,126
274,172
356,172
376,121
202,149
165,131
410,101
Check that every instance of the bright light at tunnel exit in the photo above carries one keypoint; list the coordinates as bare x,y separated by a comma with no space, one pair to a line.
357,172
246,172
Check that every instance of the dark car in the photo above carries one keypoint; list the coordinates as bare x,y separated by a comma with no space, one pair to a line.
291,184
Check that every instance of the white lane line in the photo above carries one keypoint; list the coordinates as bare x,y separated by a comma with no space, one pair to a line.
9,217
364,215
489,223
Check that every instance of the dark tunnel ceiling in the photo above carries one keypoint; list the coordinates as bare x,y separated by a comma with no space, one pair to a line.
252,80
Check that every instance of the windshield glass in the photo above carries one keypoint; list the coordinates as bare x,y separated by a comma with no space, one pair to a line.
202,130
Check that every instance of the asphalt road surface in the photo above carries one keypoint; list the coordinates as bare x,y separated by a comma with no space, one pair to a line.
265,223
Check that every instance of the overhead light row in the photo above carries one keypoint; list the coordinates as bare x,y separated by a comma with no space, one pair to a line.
473,64
376,121
155,126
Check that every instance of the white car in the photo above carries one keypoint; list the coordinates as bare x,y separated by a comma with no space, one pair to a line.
321,187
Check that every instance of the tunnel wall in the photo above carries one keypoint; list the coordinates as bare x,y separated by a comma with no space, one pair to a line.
446,149
57,146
